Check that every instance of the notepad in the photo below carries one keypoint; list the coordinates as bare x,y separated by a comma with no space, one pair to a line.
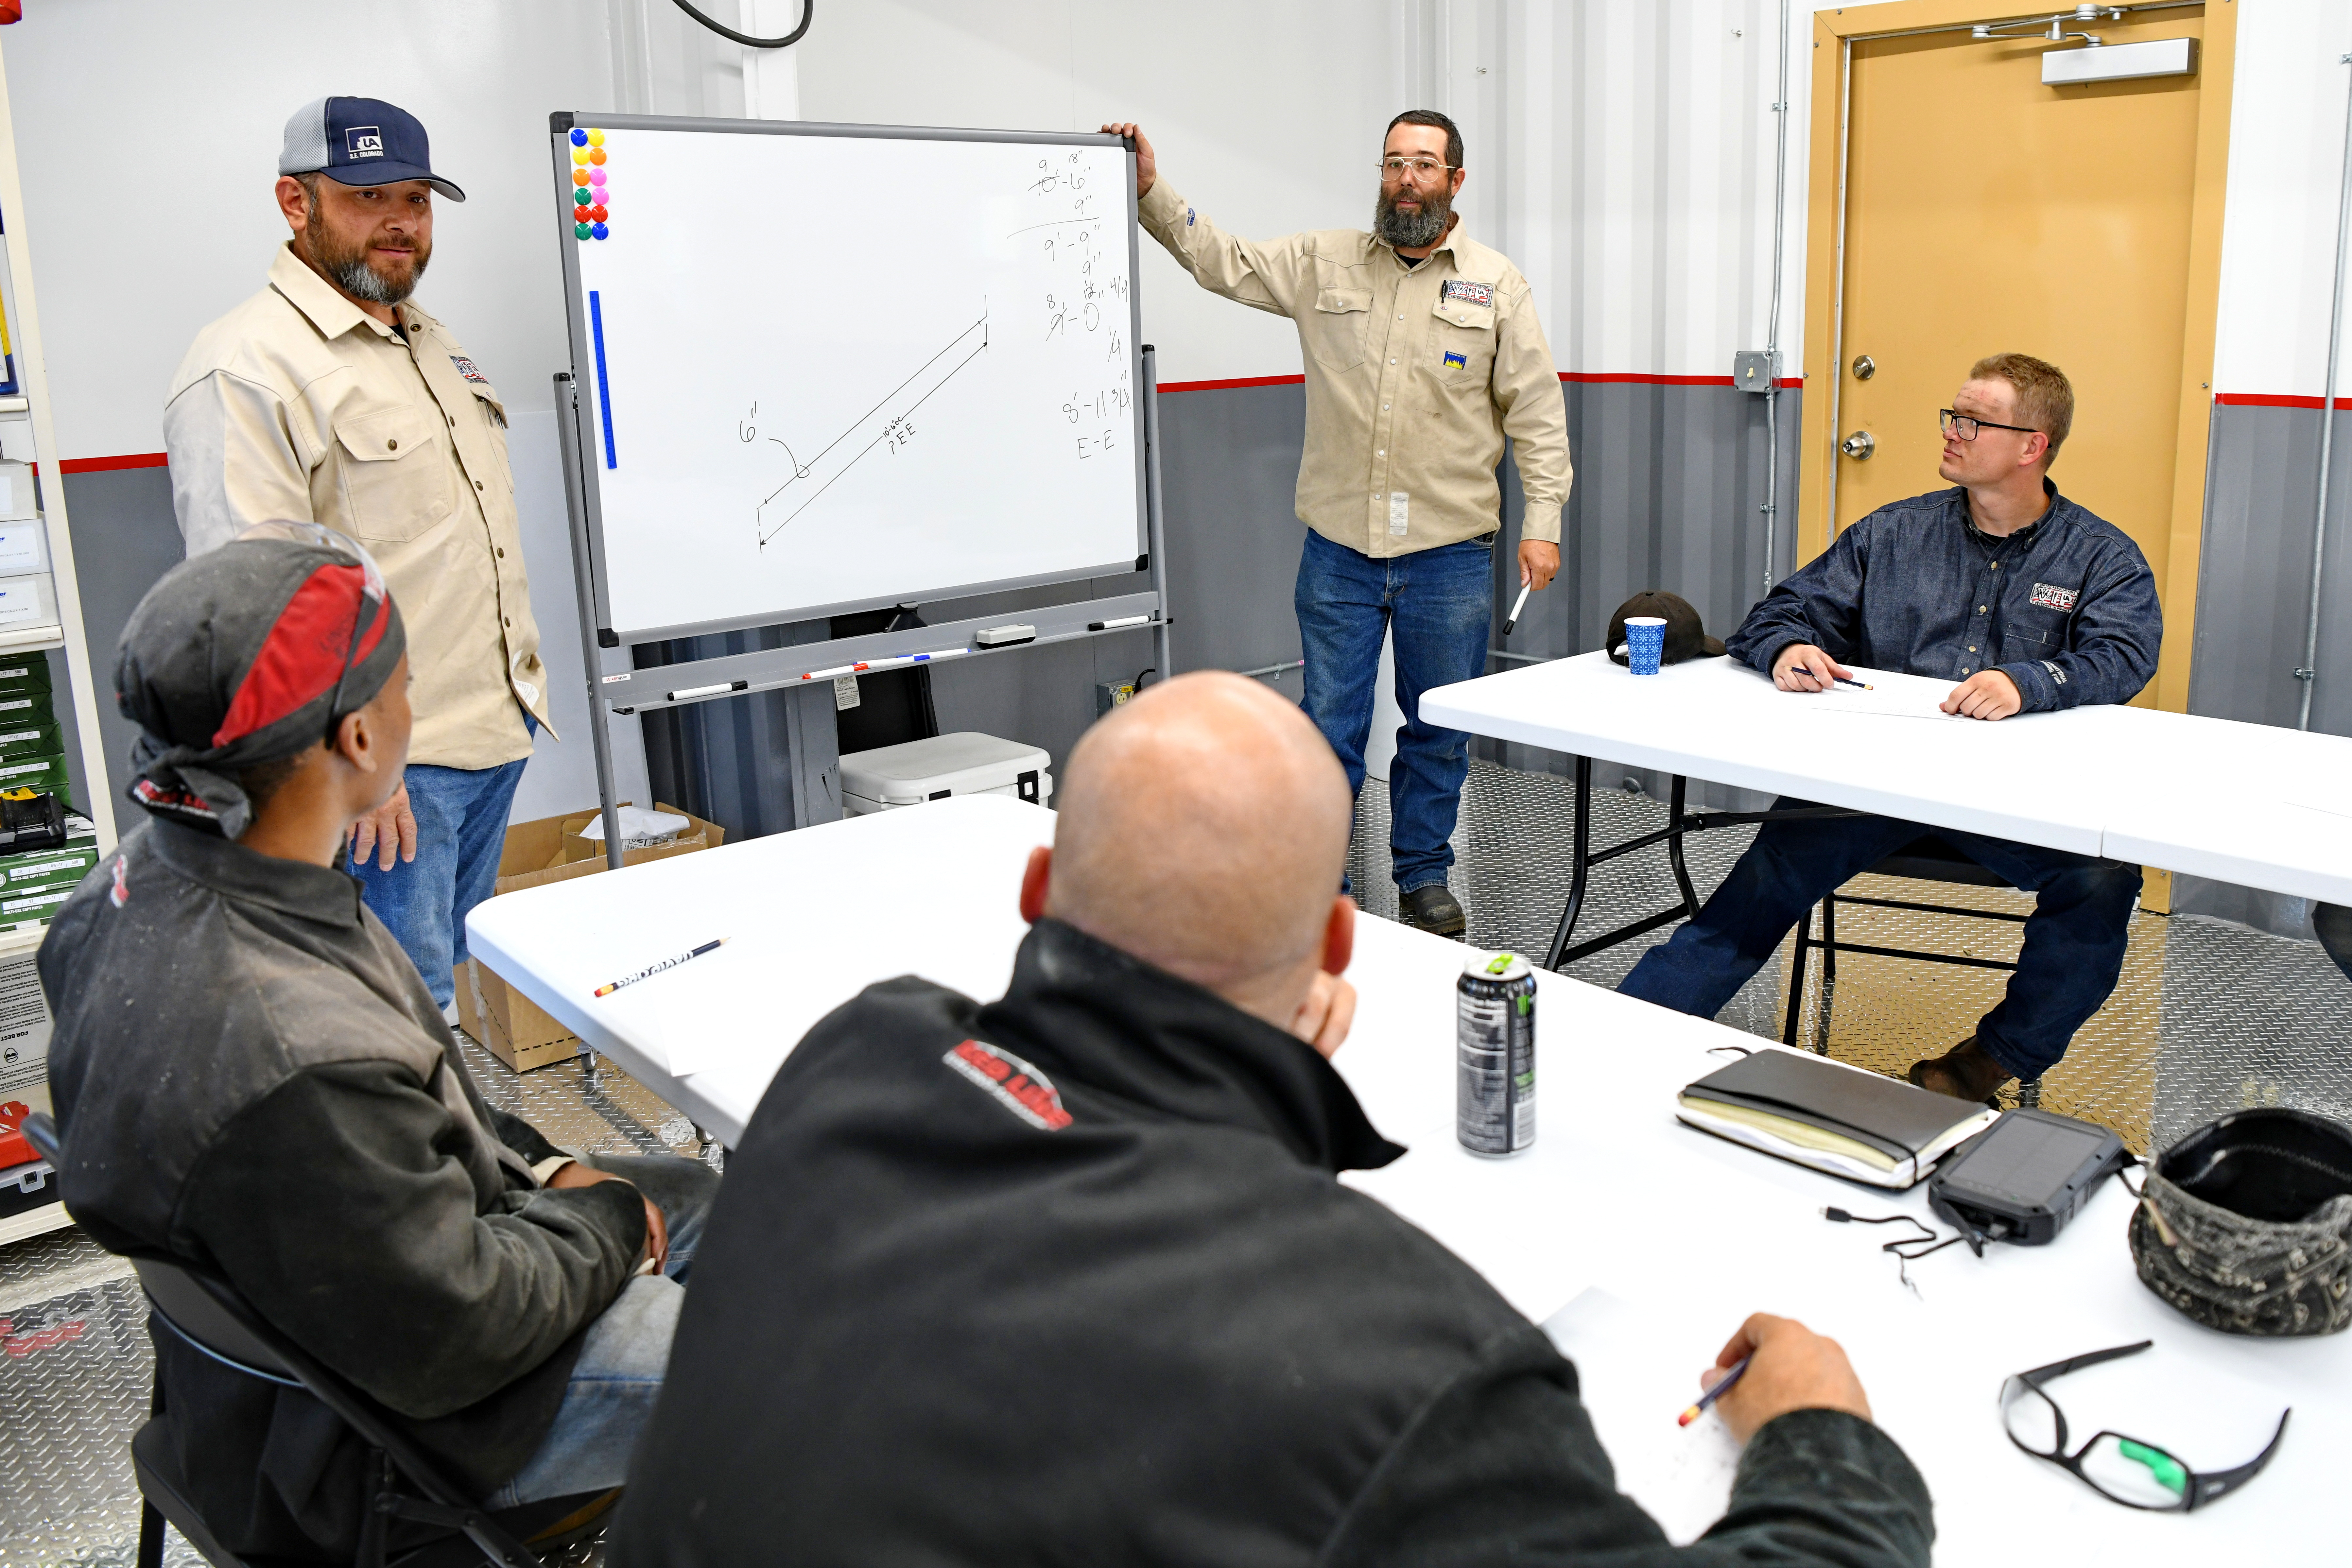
1831,1117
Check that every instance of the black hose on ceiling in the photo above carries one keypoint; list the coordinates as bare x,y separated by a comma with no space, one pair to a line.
808,13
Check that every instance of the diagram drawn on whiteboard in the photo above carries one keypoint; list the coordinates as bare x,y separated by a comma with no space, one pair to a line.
889,423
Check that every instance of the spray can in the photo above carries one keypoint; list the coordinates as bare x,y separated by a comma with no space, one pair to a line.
1495,1054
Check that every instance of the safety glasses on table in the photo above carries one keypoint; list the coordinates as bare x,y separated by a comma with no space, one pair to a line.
372,584
2119,1469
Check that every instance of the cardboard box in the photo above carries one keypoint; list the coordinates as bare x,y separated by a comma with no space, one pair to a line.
65,867
515,1028
32,737
38,774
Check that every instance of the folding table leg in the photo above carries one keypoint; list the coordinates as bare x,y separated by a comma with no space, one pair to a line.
1579,863
1797,977
1674,849
1829,974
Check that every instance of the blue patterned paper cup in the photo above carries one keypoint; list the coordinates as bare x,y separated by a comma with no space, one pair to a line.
1645,643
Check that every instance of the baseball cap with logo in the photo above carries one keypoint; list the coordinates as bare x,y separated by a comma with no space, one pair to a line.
1685,638
360,142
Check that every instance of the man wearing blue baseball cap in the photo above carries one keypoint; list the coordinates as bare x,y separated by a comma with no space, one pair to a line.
330,397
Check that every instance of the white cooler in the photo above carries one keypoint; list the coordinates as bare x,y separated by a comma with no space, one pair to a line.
889,777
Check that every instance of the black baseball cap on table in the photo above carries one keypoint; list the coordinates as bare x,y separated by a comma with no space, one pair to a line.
1685,638
361,142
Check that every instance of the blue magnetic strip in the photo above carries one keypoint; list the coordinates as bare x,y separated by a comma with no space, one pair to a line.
603,387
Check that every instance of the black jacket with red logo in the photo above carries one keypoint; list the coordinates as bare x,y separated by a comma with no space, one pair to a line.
1068,1278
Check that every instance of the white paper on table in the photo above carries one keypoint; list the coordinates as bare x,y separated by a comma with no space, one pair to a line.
1905,701
1638,1367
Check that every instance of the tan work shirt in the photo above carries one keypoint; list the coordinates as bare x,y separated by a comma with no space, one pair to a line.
299,405
1414,374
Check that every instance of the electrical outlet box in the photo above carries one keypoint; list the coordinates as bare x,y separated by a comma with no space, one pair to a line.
1755,370
1110,694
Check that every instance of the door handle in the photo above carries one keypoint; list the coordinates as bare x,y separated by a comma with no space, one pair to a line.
1859,446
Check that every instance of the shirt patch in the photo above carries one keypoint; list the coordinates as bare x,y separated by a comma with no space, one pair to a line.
467,368
121,893
1016,1085
1457,362
1469,293
2056,674
2054,598
1188,218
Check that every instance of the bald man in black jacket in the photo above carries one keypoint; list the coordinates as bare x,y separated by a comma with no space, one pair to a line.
1069,1279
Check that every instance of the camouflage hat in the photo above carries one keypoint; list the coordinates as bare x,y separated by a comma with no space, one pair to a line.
2246,1224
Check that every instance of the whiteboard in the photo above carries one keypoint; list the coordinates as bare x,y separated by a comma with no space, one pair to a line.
829,367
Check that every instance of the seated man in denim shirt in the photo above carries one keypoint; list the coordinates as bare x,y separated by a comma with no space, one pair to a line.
2030,603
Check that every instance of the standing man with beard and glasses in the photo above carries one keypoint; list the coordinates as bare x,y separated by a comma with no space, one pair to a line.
1423,352
329,398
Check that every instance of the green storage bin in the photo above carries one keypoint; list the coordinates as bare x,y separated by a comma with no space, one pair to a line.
24,709
30,739
33,904
21,874
21,672
43,771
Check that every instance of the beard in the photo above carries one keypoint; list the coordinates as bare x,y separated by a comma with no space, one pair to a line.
347,263
1411,231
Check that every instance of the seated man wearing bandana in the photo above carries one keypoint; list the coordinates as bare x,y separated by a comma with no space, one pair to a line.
251,1078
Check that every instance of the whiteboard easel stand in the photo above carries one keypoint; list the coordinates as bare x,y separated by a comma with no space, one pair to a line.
810,735
614,683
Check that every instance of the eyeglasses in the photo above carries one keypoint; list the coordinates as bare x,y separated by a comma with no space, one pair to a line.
1965,428
2119,1469
1393,169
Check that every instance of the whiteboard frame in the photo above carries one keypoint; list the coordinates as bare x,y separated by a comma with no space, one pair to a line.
575,308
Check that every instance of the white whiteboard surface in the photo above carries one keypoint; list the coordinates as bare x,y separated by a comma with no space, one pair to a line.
830,370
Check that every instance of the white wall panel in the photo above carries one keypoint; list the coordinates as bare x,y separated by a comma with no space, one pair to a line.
2278,229
148,133
1640,142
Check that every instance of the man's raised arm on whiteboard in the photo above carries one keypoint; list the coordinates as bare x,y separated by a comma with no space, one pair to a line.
1265,274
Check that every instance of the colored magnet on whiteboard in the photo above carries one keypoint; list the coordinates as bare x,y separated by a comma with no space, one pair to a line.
598,213
595,138
601,231
582,230
580,154
579,137
583,197
595,154
579,176
596,177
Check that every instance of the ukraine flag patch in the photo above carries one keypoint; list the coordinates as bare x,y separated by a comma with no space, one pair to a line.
1457,362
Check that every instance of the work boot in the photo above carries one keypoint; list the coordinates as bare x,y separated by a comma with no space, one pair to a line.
1434,909
1964,1072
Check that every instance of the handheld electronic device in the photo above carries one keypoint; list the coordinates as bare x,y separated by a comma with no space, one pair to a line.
2022,1178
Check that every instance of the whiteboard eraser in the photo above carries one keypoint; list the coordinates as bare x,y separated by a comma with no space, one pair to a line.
1005,637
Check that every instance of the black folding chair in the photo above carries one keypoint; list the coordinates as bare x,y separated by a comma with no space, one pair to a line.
1926,859
404,1481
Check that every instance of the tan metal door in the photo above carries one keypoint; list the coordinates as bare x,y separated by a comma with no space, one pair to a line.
1986,213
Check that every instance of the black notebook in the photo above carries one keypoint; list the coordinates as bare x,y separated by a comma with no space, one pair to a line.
1831,1117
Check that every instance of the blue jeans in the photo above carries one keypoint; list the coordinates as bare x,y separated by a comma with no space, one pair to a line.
2074,943
461,830
625,1353
1438,605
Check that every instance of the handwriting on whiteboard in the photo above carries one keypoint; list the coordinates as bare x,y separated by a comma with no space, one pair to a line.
1070,204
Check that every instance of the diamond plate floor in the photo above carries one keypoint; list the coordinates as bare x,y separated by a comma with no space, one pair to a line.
2209,1016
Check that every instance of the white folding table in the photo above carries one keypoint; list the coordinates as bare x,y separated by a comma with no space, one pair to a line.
2244,803
1615,1196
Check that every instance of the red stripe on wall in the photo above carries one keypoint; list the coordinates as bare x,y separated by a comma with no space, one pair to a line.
108,465
2272,400
1236,381
1585,376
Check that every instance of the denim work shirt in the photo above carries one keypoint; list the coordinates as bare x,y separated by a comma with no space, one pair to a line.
2065,607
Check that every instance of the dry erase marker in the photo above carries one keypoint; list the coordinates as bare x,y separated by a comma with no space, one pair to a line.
943,653
1857,685
1722,1387
650,971
835,673
1122,621
1516,605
